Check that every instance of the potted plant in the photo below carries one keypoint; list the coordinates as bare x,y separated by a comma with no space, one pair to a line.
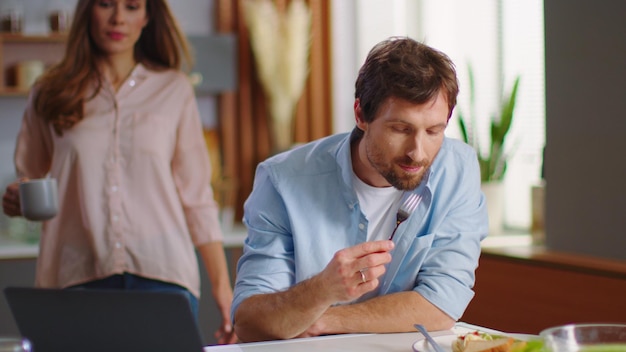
492,156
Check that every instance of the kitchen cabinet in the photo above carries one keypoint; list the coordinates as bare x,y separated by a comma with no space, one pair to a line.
18,263
21,272
16,48
527,289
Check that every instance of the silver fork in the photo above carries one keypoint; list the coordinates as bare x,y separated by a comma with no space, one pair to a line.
406,209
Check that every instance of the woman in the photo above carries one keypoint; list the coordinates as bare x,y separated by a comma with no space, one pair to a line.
117,124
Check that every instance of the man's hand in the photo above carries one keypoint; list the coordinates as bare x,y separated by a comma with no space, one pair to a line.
354,271
303,304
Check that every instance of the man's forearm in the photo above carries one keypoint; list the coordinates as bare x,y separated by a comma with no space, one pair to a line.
281,315
291,313
395,312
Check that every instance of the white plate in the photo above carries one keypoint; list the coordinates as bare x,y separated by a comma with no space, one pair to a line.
444,341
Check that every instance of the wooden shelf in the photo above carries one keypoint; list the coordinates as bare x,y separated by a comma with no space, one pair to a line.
13,92
37,38
15,48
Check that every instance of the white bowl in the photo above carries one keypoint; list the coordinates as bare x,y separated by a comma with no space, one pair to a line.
586,338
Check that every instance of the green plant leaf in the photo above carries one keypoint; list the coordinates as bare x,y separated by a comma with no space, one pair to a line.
463,128
506,115
493,163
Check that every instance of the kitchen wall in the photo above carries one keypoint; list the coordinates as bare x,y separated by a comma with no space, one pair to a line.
585,127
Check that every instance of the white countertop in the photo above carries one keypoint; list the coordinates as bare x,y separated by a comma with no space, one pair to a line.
14,249
11,248
507,240
356,342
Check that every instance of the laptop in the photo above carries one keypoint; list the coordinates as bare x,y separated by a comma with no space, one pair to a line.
104,320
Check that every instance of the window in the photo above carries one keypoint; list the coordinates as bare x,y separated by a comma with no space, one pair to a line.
500,38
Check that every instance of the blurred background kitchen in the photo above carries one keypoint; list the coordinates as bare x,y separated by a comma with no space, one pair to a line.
567,125
505,42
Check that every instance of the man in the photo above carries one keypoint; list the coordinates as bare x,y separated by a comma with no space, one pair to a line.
318,259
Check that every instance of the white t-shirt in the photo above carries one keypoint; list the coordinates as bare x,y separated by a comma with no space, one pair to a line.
380,205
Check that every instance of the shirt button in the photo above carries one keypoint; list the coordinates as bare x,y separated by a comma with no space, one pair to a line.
118,245
114,189
361,226
132,83
115,218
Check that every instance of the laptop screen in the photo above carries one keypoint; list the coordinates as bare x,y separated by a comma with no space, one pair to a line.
104,320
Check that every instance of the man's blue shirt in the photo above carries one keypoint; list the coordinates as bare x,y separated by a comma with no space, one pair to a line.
303,209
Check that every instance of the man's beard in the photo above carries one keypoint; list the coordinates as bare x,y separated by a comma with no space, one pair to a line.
397,177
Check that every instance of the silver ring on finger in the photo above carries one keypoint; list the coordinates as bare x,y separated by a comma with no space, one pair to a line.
362,272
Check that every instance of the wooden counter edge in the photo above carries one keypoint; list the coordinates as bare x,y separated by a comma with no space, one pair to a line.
541,256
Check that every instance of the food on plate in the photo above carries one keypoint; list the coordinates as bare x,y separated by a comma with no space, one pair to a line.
483,342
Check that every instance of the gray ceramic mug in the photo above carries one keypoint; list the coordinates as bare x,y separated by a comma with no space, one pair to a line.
39,199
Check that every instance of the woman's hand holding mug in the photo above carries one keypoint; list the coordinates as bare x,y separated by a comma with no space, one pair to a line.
11,200
35,199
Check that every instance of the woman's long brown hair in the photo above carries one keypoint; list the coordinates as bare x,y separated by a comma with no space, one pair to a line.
62,91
